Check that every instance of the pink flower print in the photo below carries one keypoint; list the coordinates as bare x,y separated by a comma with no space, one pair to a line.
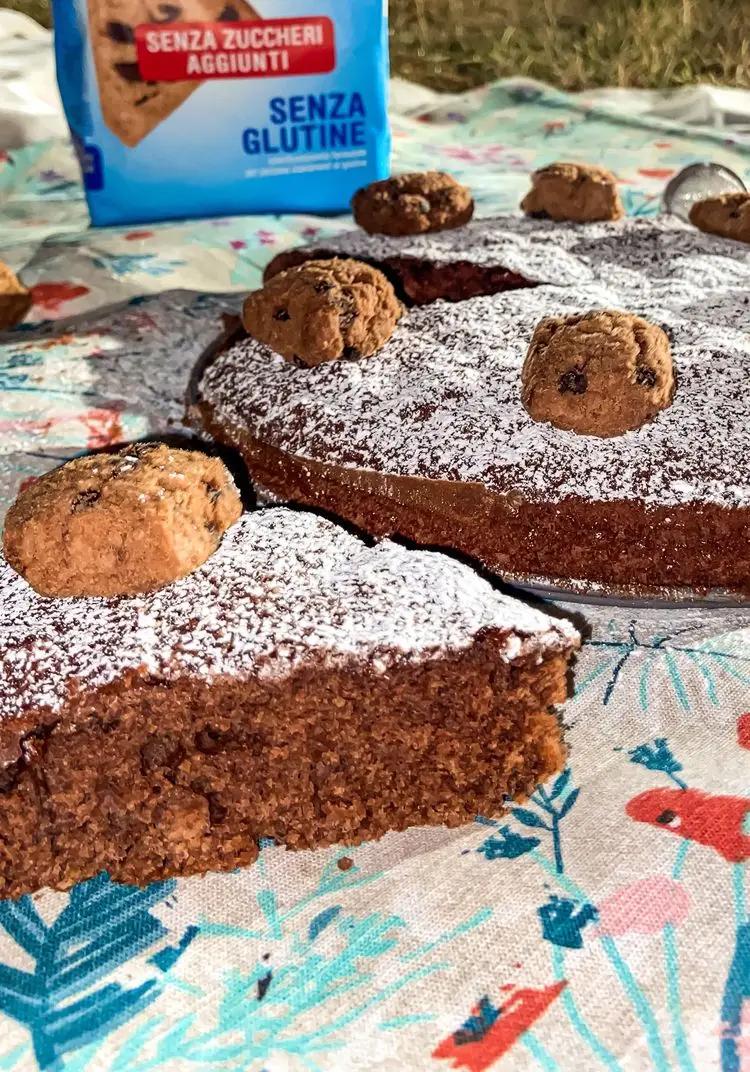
460,152
643,907
487,154
267,238
143,321
238,243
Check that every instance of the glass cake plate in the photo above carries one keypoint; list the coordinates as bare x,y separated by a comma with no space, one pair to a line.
599,609
595,594
596,607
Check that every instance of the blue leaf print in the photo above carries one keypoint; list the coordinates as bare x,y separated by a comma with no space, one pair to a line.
529,818
562,924
568,803
130,1050
167,957
507,844
122,264
265,1015
736,993
321,921
478,1024
657,756
103,926
560,783
268,906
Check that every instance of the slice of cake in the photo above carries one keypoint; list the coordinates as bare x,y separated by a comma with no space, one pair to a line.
299,685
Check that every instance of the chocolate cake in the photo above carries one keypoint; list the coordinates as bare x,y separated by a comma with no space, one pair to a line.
300,685
489,256
429,438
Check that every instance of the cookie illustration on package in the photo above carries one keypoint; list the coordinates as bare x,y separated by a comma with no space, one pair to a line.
132,106
290,115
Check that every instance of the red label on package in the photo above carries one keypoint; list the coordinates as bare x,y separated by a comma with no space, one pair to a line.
264,48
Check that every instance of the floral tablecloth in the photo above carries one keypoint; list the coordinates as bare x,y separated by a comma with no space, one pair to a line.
601,925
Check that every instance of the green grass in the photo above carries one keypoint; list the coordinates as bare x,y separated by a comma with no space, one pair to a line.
574,44
455,44
38,9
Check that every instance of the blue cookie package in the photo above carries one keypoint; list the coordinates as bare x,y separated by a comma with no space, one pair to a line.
212,107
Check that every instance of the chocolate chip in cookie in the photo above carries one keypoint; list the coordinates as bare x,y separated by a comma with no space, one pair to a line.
581,193
601,373
118,524
323,310
413,204
727,215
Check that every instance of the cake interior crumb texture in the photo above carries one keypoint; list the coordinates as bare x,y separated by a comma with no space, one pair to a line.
300,685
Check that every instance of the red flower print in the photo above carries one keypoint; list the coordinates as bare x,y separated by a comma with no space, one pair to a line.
103,426
743,730
708,819
50,296
490,1031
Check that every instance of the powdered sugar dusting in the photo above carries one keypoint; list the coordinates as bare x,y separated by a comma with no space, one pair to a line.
632,252
442,399
284,589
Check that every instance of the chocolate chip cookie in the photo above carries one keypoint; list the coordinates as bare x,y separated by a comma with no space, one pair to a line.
578,192
727,215
601,373
413,204
131,106
118,524
323,310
